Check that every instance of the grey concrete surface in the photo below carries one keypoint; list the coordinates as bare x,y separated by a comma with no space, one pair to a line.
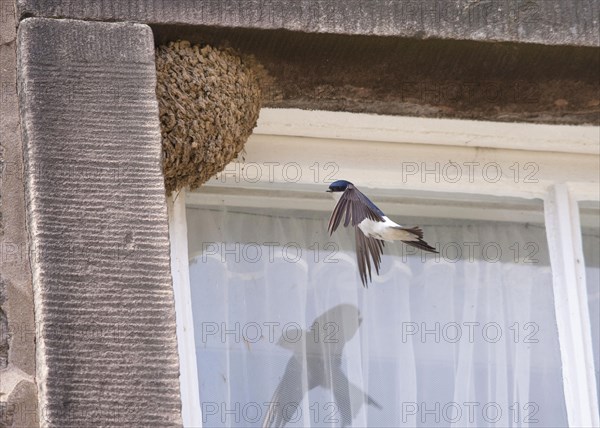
18,391
107,352
554,22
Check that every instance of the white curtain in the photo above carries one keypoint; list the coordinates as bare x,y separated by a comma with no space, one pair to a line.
591,254
466,339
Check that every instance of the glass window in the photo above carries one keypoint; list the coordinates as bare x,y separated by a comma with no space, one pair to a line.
284,330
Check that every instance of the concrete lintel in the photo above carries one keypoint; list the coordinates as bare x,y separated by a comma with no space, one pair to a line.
552,22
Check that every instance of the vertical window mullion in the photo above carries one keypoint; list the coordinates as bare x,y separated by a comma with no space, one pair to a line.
188,370
570,303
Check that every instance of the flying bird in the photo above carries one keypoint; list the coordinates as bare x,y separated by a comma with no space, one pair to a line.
371,227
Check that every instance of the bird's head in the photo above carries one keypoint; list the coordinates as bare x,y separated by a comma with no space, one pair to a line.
338,186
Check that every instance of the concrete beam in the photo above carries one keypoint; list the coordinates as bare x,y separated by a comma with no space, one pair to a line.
106,349
552,22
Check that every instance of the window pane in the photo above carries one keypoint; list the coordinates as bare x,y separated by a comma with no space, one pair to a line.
591,254
468,337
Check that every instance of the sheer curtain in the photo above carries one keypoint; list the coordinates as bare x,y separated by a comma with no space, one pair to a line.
591,254
287,336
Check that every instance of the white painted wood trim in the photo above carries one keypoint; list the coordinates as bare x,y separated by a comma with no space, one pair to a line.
570,302
188,365
585,191
310,164
452,132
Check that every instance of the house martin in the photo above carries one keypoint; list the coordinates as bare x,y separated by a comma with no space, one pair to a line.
371,227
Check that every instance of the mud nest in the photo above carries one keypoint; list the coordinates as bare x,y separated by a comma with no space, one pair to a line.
208,101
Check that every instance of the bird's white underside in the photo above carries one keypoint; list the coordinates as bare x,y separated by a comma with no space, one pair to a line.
387,230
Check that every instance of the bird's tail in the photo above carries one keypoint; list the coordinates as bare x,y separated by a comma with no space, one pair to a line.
413,236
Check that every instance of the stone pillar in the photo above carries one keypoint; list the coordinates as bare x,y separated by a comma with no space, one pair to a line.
97,219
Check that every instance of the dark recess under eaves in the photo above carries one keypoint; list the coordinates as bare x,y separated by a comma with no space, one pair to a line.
427,78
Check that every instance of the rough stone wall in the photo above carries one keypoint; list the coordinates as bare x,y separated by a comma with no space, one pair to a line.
106,349
18,393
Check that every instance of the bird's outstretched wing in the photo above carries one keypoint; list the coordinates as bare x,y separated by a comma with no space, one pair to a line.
354,207
367,249
288,395
349,397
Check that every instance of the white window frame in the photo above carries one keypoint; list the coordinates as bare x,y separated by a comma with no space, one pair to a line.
369,146
563,229
180,271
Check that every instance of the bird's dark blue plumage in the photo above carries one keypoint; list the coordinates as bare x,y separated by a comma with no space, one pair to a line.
342,185
371,226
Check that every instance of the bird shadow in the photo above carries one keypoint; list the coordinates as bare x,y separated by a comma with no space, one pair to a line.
317,362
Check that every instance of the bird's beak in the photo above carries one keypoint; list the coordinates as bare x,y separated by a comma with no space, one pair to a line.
328,190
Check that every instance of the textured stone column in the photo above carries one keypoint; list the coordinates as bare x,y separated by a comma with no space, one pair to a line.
106,343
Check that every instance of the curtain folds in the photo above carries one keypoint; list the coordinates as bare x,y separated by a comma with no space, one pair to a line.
591,254
287,336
